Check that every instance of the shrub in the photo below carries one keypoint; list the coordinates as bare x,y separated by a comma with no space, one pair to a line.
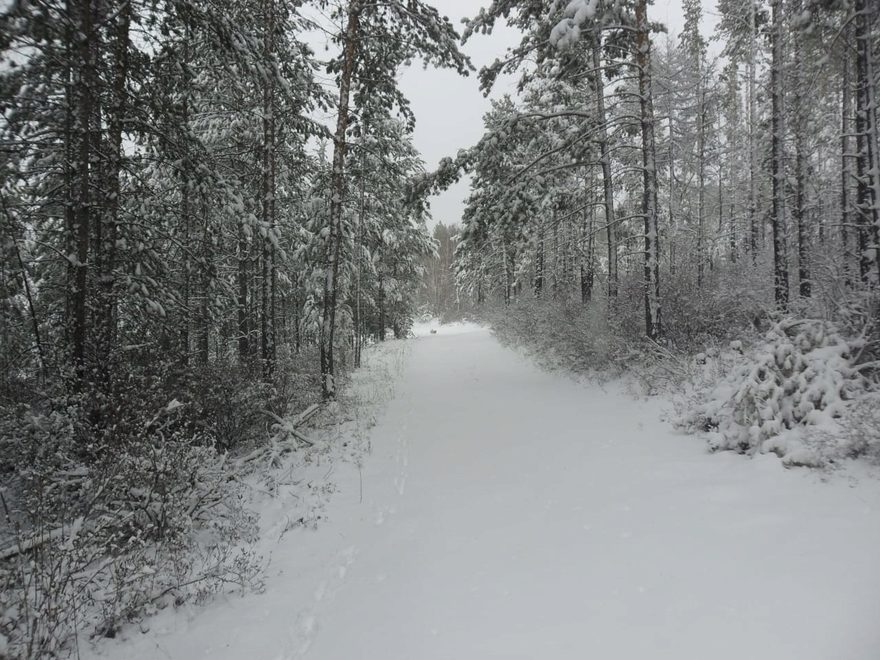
106,527
802,377
559,334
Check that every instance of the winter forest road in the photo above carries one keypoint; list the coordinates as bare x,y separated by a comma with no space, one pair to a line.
508,513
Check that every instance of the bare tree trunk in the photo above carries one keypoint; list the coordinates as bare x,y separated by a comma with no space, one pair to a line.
777,219
539,262
605,161
297,321
337,192
273,266
70,196
358,247
186,188
588,273
186,218
565,247
85,94
753,122
380,303
242,298
845,160
206,277
701,179
653,319
106,315
868,162
670,112
267,348
555,282
508,273
734,160
186,221
799,211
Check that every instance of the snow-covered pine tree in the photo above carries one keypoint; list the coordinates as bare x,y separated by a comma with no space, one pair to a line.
397,32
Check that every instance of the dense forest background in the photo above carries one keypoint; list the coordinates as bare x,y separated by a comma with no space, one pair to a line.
204,223
695,191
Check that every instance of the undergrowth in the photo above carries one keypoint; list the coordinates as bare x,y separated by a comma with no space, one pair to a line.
803,385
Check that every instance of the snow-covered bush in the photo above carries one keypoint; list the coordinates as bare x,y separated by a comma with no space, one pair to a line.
562,335
729,304
861,427
227,405
98,534
786,395
121,499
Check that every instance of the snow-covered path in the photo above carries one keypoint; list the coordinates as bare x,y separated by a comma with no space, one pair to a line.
509,513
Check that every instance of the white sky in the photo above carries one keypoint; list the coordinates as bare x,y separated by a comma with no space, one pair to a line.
449,109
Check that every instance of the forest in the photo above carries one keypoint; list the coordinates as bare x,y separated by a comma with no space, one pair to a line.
696,208
210,210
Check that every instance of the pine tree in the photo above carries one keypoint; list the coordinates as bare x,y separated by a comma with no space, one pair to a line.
369,66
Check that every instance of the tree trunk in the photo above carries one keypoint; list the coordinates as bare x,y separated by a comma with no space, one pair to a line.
555,282
799,211
605,161
701,179
653,319
539,263
753,119
242,298
846,220
358,247
380,303
868,168
587,262
777,220
508,273
106,314
207,276
337,192
670,112
186,221
267,348
84,95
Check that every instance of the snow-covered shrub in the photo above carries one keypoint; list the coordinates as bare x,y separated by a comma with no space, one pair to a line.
861,428
565,335
98,534
786,395
227,405
730,302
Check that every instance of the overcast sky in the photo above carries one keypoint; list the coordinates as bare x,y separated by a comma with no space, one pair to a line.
449,109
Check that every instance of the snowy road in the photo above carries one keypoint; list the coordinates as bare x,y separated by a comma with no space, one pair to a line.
510,513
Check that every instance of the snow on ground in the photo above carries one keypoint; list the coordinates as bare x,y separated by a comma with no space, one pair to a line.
509,513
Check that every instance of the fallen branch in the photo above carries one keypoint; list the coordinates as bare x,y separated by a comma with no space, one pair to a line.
284,428
26,545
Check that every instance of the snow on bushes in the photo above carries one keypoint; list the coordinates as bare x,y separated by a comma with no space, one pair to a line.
787,395
801,390
567,336
87,546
